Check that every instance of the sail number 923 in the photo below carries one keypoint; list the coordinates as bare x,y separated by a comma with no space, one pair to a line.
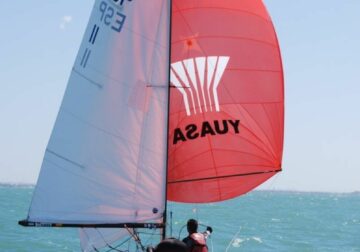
111,17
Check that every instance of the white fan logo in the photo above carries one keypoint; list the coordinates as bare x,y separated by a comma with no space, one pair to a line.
197,77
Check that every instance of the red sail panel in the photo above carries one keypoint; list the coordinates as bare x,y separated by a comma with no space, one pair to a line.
226,118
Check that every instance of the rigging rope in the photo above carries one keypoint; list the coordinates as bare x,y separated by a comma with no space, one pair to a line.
232,240
107,244
136,237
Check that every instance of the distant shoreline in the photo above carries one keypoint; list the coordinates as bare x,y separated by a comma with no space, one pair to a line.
17,185
30,185
300,191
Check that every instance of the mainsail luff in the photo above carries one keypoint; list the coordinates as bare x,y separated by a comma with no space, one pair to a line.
168,121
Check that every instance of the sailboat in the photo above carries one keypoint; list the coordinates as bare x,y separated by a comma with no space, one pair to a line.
168,100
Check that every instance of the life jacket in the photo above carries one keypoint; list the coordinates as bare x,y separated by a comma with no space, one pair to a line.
199,243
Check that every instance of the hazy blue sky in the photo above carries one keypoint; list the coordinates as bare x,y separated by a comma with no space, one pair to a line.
320,42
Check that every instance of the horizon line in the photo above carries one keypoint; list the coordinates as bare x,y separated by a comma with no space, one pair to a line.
23,184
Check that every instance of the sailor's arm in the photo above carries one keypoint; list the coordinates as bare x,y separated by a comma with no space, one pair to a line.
208,232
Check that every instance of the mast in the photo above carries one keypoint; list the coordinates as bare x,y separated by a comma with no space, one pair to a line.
168,122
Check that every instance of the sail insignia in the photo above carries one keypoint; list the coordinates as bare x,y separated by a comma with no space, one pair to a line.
199,77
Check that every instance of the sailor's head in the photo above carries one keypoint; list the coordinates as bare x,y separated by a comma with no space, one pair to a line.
171,245
192,226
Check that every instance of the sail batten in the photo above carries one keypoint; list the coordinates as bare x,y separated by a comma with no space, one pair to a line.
223,177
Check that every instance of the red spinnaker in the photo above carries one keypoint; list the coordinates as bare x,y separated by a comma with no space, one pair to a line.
226,101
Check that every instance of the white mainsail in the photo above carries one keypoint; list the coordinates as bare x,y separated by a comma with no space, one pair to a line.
106,158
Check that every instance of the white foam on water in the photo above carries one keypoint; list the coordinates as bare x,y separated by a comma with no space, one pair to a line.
258,239
237,242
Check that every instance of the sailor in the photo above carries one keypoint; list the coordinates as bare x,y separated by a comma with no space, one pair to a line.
169,245
196,242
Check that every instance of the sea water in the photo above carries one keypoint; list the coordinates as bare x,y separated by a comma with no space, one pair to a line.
258,221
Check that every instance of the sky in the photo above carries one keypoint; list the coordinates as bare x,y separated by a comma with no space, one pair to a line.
319,41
